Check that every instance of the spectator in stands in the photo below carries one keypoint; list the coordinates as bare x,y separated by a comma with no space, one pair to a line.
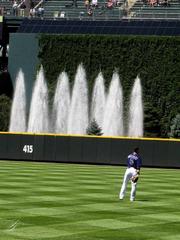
32,4
152,3
166,3
87,3
32,12
94,3
110,4
144,2
22,9
15,8
118,3
90,11
74,3
114,3
40,11
2,10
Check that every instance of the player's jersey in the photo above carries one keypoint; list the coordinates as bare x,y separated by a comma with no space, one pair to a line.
134,160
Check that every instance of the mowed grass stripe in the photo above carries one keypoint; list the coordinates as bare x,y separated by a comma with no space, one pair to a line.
48,201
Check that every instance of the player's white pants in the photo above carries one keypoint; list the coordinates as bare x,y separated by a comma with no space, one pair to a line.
130,172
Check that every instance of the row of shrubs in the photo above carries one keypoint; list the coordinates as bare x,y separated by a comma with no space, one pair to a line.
154,59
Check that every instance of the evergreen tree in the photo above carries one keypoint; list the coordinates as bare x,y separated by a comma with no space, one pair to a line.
94,129
5,108
175,127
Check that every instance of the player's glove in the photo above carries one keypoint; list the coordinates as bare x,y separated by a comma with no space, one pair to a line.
135,178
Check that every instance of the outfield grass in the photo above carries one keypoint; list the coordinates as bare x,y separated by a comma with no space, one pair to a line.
43,201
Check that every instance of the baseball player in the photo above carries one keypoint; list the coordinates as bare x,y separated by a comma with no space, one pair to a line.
131,174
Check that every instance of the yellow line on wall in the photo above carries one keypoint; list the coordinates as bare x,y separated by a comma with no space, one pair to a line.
89,136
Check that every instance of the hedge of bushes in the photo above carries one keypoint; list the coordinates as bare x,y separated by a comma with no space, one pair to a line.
155,59
6,91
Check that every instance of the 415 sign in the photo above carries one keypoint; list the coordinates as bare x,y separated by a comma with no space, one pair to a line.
28,148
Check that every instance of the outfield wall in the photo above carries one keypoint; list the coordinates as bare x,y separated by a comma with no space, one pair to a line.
87,149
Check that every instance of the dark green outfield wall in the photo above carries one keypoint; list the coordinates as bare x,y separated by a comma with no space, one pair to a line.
155,59
83,149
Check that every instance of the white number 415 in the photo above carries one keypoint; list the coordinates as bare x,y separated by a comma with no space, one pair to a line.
28,148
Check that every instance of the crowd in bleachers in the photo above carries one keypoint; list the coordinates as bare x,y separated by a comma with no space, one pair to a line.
36,9
92,4
83,8
152,3
19,8
16,8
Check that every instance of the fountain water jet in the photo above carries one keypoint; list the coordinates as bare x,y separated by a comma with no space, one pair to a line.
61,104
113,115
135,120
98,100
70,115
38,114
78,114
18,109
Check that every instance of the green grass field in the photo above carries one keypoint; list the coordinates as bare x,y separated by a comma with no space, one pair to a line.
43,201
